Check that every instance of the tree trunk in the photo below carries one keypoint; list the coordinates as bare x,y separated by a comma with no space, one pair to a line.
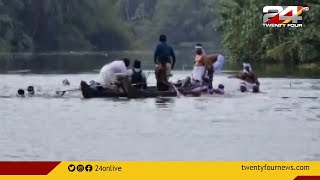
127,10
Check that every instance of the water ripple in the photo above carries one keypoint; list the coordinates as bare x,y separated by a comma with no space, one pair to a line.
72,128
313,119
284,109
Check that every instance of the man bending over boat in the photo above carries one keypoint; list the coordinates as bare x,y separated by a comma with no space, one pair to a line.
166,52
161,75
249,79
137,77
110,71
215,63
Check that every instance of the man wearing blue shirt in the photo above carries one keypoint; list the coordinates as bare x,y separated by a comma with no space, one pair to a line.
165,53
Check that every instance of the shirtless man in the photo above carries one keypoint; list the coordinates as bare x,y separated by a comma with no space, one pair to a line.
199,68
249,79
204,68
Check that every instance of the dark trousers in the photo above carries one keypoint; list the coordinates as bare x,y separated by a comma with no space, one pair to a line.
210,75
162,87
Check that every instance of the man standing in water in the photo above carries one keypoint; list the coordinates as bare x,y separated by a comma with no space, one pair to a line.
204,68
199,68
198,77
249,79
161,76
215,63
166,52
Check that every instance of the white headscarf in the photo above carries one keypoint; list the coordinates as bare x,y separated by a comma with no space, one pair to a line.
246,65
199,47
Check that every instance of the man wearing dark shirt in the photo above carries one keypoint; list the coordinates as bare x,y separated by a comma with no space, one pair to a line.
164,52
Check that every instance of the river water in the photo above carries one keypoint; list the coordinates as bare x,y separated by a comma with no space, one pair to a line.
218,128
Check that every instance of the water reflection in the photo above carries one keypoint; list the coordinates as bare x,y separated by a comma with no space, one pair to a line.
283,109
202,104
120,99
316,157
312,120
5,97
164,103
81,62
314,87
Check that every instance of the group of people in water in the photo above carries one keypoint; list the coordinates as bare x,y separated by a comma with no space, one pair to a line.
164,57
201,80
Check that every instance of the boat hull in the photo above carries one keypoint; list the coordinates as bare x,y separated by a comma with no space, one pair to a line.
88,93
131,92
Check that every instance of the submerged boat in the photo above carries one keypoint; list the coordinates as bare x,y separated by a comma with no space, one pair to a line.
130,92
88,92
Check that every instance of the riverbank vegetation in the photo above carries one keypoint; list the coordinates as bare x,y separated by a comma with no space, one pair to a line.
106,25
59,25
246,39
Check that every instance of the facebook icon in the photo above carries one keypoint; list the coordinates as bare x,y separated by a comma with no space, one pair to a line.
89,168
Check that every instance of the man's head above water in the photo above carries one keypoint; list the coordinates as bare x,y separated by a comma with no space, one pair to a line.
247,67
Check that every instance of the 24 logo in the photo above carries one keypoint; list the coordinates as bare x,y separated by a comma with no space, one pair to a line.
283,16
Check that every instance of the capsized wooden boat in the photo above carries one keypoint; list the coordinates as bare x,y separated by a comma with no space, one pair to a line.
129,91
88,92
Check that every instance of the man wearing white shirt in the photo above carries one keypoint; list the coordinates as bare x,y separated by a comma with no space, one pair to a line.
110,71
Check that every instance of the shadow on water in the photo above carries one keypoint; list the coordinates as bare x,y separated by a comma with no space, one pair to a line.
5,97
161,103
314,87
164,103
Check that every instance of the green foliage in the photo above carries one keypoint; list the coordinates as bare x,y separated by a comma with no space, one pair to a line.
246,39
59,25
181,21
79,25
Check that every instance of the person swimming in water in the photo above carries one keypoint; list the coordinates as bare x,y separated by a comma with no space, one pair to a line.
30,90
249,79
66,82
205,89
